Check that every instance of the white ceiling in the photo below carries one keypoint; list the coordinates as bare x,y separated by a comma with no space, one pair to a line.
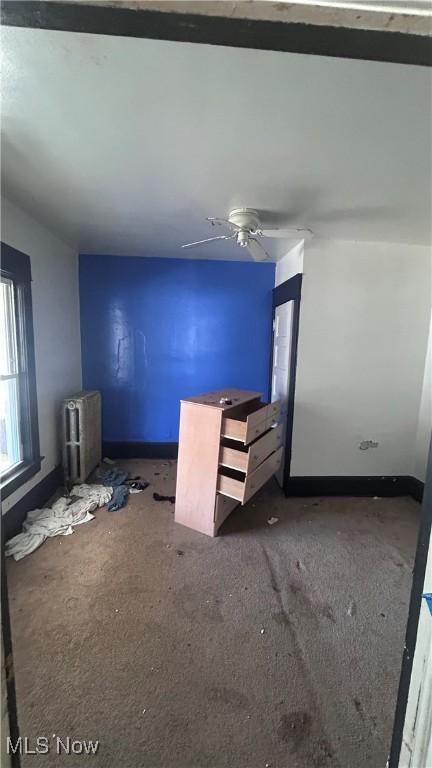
124,146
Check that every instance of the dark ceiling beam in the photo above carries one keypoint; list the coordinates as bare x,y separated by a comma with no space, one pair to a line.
340,42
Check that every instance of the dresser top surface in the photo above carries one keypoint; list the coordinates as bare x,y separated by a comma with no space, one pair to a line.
232,398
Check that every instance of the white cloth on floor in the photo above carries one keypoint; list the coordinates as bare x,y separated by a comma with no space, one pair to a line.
57,520
101,494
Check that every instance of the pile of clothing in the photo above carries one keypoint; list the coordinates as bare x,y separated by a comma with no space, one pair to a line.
122,485
58,520
75,509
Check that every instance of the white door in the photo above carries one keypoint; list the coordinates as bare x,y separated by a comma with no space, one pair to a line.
281,367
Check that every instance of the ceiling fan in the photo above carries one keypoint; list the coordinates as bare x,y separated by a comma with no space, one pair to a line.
246,229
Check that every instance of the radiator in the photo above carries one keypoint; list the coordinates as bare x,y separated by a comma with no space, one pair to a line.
81,415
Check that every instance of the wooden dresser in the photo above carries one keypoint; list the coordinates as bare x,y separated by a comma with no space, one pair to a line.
229,446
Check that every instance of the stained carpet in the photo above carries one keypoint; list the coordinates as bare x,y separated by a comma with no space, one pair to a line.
270,646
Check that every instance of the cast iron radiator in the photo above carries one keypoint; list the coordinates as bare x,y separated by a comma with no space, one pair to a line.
81,415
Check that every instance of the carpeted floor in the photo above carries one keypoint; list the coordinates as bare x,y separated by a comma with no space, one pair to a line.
268,646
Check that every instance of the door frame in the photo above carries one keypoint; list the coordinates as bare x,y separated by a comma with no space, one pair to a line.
419,572
290,290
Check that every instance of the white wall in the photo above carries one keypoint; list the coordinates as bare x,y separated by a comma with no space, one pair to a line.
364,322
55,297
289,263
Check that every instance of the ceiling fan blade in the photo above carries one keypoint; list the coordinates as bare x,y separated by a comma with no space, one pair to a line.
288,234
256,250
222,222
208,240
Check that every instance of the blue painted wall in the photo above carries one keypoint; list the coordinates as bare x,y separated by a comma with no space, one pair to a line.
156,330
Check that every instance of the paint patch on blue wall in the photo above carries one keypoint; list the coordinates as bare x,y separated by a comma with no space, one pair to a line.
156,330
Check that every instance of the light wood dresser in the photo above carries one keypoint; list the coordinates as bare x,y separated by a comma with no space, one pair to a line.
229,446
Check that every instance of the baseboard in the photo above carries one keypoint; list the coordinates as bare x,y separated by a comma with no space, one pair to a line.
379,485
416,488
140,450
39,495
36,498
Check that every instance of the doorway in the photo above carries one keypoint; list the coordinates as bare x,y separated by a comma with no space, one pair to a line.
286,314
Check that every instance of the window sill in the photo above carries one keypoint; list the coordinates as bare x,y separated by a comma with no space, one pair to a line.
14,481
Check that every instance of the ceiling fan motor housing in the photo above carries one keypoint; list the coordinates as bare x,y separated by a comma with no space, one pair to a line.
246,219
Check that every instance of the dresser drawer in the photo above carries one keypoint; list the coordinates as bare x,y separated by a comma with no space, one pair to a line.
247,459
273,413
247,427
231,483
223,507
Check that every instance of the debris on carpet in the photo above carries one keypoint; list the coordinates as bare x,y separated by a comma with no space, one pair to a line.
113,489
58,520
272,520
137,485
160,497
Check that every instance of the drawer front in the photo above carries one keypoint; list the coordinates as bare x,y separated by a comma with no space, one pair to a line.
263,473
273,413
256,425
242,490
223,507
248,461
238,428
263,447
258,422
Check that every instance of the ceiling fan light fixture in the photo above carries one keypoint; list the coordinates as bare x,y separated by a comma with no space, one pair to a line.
243,238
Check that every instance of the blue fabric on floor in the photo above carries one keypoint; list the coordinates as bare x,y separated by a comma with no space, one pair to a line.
114,477
119,498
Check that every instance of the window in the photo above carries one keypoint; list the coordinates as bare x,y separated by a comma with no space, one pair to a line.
10,431
19,437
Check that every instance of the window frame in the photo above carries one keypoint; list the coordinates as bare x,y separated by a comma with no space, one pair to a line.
15,266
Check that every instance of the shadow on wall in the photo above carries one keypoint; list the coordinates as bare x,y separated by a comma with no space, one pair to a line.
23,157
